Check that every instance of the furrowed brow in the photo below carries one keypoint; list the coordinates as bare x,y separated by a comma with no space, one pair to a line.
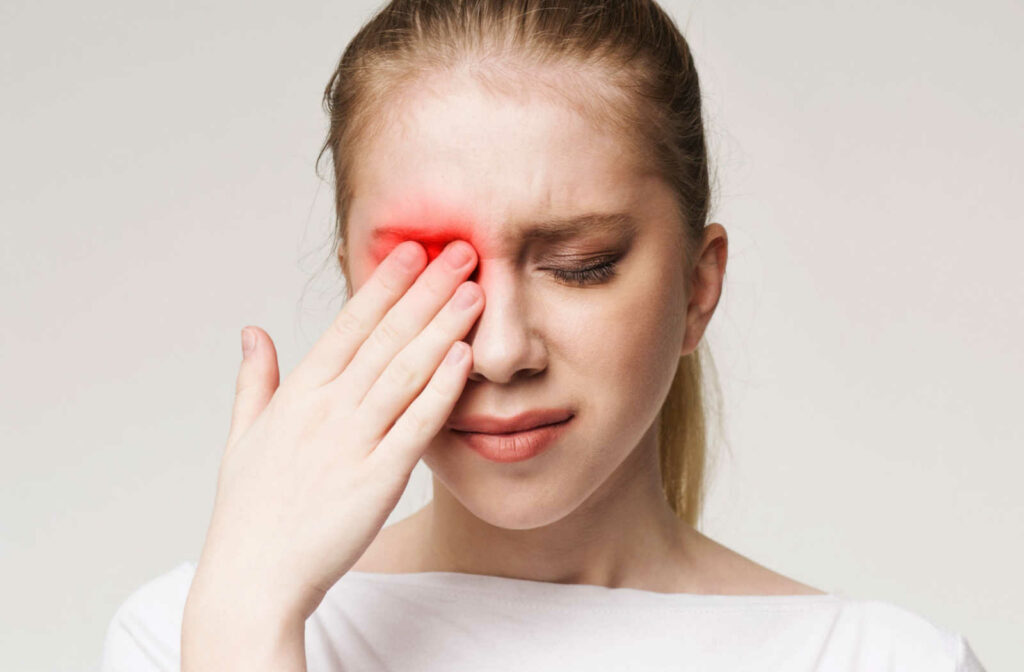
547,231
562,229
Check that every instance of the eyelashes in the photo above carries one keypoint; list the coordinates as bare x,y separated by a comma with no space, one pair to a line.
588,275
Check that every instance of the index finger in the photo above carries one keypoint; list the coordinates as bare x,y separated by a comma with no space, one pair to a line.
359,316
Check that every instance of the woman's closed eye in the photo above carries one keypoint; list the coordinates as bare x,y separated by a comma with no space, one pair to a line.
591,274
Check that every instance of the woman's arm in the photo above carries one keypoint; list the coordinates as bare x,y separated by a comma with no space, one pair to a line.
222,631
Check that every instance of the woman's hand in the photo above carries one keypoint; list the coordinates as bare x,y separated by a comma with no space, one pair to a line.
313,467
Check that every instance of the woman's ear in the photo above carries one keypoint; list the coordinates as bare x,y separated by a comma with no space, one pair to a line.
705,285
345,272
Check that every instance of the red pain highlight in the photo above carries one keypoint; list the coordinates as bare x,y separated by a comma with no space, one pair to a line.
433,236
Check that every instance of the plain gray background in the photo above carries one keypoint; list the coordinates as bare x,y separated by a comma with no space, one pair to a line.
157,194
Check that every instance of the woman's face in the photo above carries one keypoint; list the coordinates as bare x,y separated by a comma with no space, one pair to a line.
605,344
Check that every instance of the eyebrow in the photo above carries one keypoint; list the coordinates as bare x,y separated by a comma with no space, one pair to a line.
560,229
552,230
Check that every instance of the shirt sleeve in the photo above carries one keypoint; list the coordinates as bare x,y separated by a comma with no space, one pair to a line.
966,660
144,634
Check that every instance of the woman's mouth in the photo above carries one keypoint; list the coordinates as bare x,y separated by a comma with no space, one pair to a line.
513,446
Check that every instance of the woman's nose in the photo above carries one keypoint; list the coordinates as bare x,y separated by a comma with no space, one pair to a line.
504,340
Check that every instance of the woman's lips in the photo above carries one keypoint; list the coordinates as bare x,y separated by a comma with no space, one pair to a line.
488,424
515,446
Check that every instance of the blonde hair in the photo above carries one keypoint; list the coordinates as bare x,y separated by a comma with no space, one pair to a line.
647,88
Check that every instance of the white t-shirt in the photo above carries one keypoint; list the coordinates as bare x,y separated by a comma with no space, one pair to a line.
431,621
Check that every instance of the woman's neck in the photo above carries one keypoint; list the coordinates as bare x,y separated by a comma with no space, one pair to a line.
623,535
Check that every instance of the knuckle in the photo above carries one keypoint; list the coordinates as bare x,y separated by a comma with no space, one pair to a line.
349,325
319,406
242,387
243,393
401,374
416,421
303,420
447,327
386,334
393,283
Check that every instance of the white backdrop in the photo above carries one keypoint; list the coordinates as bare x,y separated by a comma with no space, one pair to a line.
157,194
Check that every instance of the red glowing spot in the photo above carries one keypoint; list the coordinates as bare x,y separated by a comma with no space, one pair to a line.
433,241
429,227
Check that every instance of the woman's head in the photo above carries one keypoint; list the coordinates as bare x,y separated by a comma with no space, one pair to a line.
505,124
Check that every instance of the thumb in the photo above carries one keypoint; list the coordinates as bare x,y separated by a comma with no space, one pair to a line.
258,378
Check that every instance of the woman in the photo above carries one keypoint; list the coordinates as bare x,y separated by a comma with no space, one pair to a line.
529,178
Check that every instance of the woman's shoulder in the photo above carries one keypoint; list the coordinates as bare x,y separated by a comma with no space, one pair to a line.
145,630
887,635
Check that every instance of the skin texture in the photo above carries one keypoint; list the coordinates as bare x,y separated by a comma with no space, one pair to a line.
461,161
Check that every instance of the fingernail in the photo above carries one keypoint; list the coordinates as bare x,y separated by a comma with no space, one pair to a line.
248,342
408,255
458,255
456,354
465,297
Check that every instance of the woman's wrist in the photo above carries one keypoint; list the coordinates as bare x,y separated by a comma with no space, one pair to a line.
269,593
223,630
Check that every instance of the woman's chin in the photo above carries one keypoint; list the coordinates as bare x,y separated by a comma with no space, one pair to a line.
529,516
510,504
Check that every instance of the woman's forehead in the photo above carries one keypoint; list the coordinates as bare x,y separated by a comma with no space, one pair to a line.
493,147
459,161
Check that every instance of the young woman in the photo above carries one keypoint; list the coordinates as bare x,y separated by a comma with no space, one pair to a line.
522,192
